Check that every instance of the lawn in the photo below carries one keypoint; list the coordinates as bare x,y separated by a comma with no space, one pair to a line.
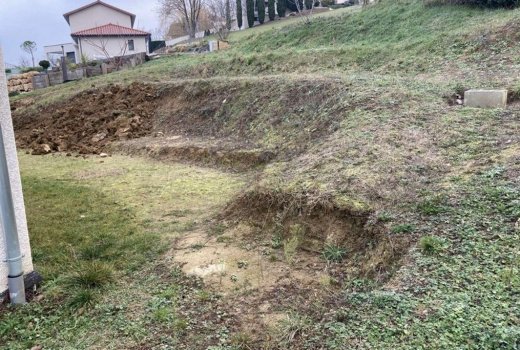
98,228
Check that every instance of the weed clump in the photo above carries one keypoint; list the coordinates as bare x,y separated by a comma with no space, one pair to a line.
430,244
82,298
403,228
333,253
290,247
90,275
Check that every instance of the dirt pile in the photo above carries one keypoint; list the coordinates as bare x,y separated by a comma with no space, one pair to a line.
89,121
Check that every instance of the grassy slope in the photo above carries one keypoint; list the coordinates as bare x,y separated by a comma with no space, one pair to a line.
450,43
429,169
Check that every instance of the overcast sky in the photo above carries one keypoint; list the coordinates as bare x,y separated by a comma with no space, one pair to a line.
42,21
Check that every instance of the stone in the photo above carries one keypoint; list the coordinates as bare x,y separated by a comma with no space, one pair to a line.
41,150
99,137
103,155
485,98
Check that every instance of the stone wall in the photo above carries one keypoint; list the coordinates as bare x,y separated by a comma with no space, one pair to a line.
21,82
43,80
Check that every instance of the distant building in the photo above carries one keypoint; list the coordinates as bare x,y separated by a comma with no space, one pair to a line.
100,31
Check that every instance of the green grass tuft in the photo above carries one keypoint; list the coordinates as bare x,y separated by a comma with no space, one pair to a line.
90,275
431,244
333,253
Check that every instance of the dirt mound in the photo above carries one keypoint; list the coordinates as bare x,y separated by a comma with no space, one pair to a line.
322,225
89,121
221,152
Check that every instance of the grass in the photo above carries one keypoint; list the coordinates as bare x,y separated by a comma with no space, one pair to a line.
333,253
96,231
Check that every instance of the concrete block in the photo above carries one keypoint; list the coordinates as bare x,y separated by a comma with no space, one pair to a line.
485,98
213,45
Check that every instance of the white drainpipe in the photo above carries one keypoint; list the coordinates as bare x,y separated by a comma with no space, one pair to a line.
14,253
7,214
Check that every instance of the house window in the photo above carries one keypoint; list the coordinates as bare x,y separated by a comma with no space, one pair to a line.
130,45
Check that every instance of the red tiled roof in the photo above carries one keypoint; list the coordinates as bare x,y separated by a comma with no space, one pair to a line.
110,30
66,15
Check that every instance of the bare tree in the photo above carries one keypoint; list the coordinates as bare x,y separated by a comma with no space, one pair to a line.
220,12
186,10
29,47
305,14
23,63
113,58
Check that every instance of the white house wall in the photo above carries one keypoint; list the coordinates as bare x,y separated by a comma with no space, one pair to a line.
92,47
96,16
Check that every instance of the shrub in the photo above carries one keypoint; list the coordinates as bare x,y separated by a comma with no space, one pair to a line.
281,7
30,69
8,70
44,64
481,3
271,10
250,9
327,3
261,11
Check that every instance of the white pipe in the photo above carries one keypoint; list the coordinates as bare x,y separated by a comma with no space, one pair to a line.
7,212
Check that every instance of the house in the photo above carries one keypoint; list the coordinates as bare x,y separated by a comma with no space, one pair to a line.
101,31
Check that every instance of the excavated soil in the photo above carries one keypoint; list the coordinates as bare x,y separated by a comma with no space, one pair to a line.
215,152
89,121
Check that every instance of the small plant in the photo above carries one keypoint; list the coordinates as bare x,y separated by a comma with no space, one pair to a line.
430,244
83,298
8,71
91,275
197,246
431,206
333,253
294,325
290,247
242,264
403,228
276,241
241,340
218,229
384,217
